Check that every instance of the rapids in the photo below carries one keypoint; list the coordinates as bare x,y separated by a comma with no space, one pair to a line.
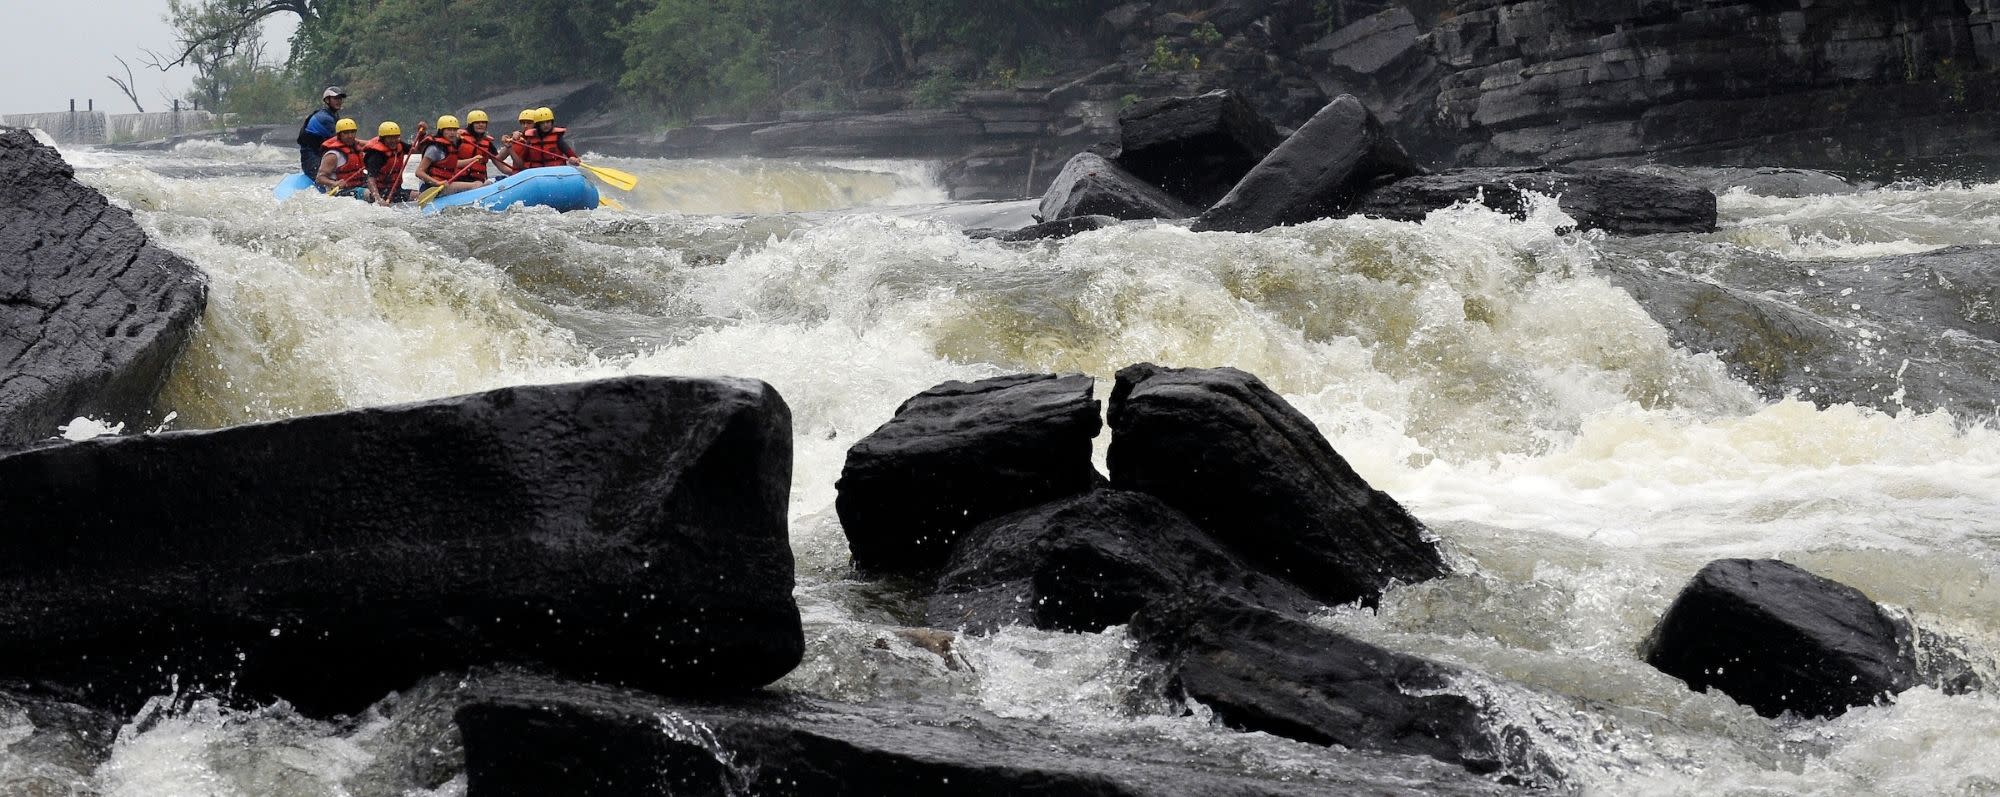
1578,467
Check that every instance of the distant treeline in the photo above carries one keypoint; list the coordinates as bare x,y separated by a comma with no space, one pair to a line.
682,58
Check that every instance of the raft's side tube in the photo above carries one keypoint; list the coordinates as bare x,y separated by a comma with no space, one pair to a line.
561,187
297,182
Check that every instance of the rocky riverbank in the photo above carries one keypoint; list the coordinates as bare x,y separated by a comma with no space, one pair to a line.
1866,89
1862,88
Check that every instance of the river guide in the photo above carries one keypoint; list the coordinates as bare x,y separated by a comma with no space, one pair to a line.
318,128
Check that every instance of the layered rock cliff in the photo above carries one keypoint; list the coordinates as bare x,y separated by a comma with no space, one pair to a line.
1883,87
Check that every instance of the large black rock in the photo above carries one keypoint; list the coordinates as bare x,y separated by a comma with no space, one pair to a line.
1261,670
629,530
91,313
1221,447
533,739
1194,147
1321,171
1089,185
1616,201
1777,638
1086,563
958,455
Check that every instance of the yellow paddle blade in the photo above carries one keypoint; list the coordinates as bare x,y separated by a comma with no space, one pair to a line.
608,202
623,181
426,197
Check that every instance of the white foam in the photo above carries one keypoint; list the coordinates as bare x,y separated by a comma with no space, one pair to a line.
1472,365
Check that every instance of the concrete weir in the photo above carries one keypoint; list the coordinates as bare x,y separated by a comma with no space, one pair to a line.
97,128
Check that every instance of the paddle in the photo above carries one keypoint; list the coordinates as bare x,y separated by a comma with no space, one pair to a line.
424,199
608,202
623,181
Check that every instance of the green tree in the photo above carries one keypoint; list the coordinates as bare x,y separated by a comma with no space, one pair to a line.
691,56
246,88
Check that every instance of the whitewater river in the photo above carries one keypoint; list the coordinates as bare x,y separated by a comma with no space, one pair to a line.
1578,468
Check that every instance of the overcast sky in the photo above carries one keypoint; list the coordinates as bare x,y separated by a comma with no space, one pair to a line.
59,49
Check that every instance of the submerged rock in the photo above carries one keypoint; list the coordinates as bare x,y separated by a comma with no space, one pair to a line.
1759,181
531,739
1777,638
958,455
629,530
1912,332
1089,185
1260,670
1246,466
1087,563
92,314
1320,171
49,746
1616,201
1196,148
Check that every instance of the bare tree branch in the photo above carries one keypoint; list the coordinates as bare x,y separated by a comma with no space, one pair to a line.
215,31
126,84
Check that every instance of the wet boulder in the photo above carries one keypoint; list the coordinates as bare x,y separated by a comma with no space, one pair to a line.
1196,148
1254,472
629,530
1777,638
1045,231
1320,171
1261,670
1089,185
531,739
572,101
92,314
1616,201
1087,563
958,455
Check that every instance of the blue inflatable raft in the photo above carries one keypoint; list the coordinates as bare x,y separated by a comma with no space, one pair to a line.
292,184
561,187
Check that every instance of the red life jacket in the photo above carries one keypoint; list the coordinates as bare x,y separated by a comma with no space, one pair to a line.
445,169
391,178
348,173
538,149
474,146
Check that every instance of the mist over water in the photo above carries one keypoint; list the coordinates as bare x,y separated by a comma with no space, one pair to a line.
1476,367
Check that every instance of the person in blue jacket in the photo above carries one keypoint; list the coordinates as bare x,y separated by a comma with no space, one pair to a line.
318,128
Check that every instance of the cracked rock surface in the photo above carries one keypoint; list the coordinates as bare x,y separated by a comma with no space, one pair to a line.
92,314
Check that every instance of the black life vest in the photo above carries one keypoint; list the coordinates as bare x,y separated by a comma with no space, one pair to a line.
311,141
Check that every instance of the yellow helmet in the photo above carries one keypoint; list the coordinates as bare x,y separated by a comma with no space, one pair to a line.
389,129
544,115
345,126
476,117
447,122
527,115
